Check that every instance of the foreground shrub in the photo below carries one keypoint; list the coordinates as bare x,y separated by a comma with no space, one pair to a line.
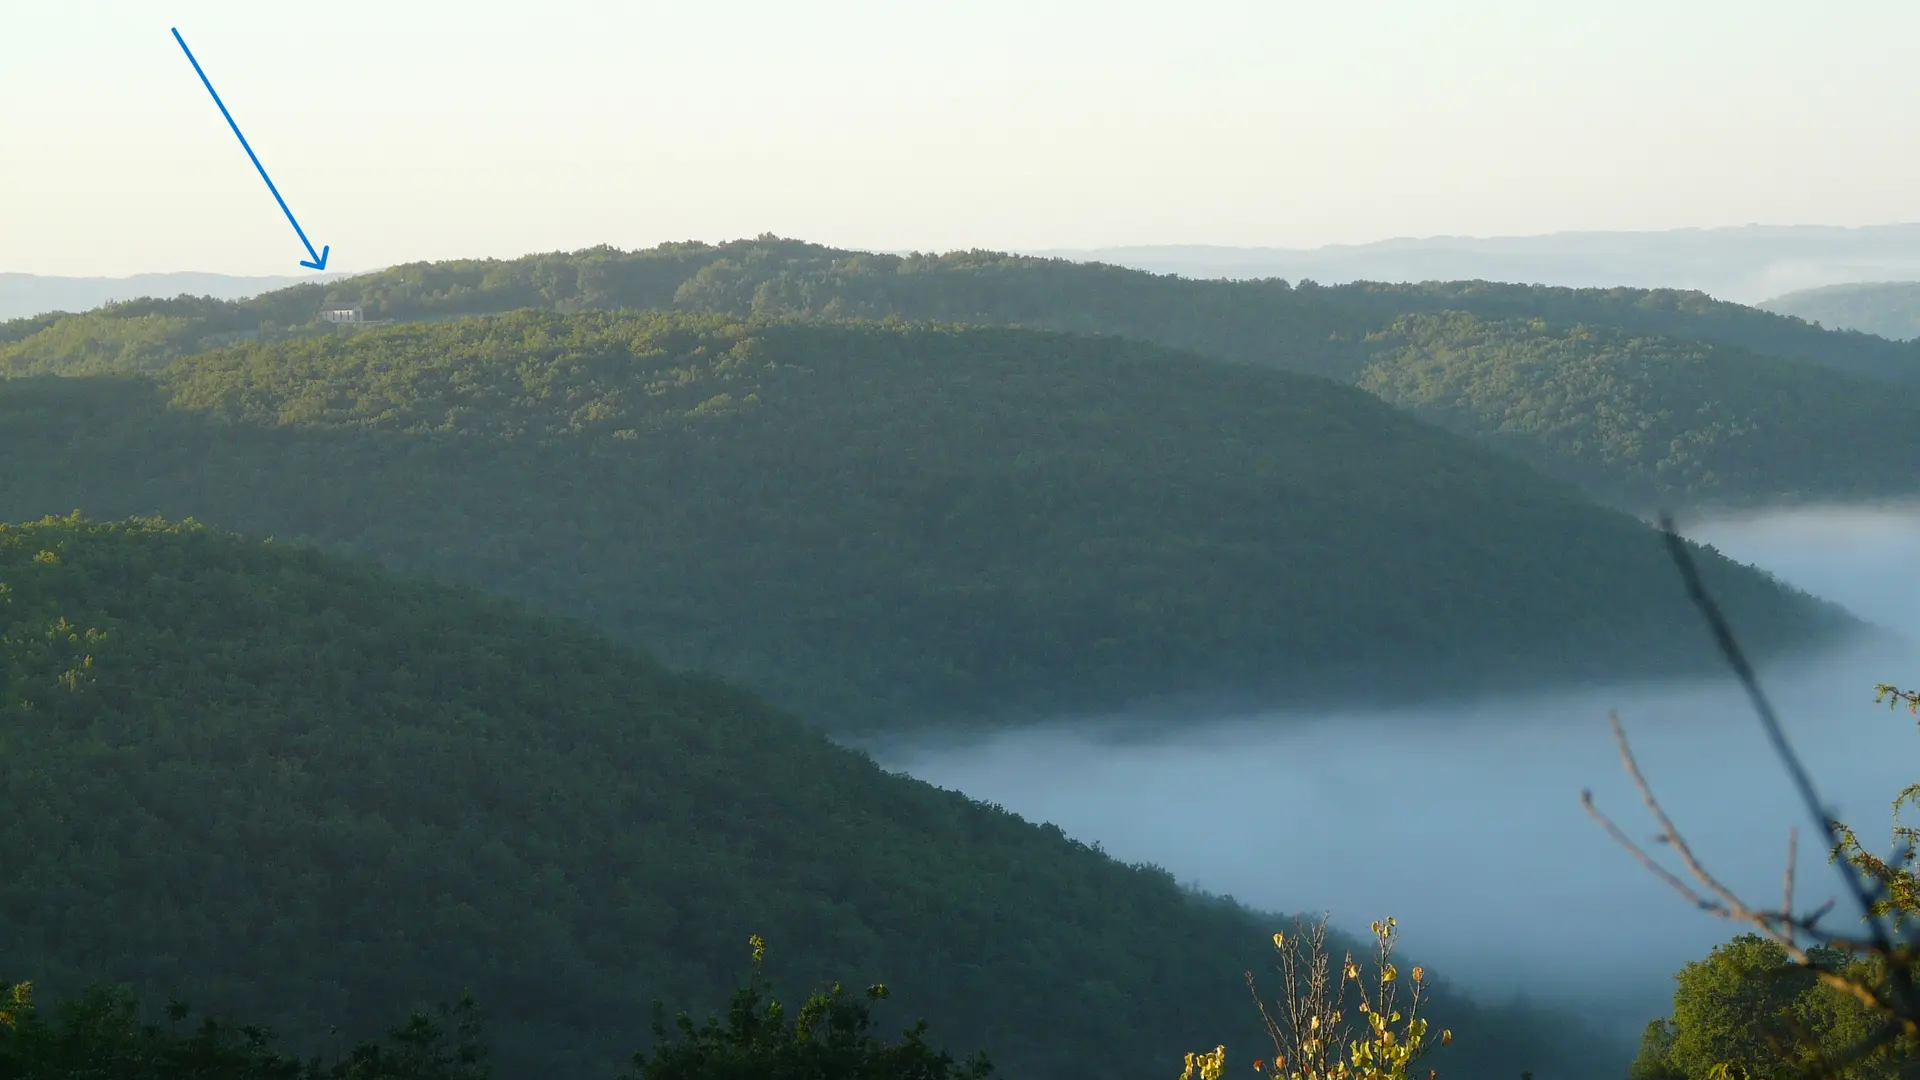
1314,1037
829,1038
99,1034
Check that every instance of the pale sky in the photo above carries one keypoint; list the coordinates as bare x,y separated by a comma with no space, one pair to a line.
418,129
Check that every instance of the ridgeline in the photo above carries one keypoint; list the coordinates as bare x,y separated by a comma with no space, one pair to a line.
1712,413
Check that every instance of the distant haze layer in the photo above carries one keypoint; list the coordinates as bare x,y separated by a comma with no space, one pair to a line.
1745,265
22,295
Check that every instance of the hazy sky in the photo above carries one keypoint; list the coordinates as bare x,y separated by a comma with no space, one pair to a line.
413,129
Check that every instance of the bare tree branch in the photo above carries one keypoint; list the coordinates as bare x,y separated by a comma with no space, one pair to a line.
1896,1004
1736,659
1793,855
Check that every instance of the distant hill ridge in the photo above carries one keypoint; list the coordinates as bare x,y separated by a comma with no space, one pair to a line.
1713,454
1889,309
1744,264
770,276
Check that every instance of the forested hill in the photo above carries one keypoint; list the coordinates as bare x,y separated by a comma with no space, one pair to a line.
889,526
1669,313
1342,333
1888,309
1258,321
1646,421
1270,321
317,794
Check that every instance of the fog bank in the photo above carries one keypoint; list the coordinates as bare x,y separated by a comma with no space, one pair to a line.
1465,822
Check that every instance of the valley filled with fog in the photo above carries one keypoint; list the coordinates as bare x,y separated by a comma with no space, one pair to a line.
1005,506
1465,822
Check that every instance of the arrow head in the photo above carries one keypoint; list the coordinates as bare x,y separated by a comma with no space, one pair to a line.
321,262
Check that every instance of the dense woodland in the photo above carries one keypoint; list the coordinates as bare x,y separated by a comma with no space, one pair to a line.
1726,441
1642,421
887,526
1671,313
318,795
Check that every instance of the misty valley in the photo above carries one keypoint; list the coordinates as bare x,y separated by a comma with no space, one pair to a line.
1478,802
423,673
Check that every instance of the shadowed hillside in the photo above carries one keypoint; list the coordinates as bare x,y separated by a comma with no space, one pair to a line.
885,527
318,794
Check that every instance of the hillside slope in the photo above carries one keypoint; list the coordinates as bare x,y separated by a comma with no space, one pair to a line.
318,794
889,526
1888,309
1650,421
1671,313
1334,332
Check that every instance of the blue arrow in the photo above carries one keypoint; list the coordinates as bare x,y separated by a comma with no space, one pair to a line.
316,261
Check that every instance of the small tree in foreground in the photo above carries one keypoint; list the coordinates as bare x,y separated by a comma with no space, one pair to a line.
1748,1009
99,1032
1895,877
1314,1035
828,1038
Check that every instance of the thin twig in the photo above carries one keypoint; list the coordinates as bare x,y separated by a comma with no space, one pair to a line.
1900,1016
1769,720
1793,855
1782,927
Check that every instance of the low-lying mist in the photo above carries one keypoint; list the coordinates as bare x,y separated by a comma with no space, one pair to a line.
1465,821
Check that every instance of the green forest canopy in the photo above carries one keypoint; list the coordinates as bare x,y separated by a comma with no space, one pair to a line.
1641,421
1671,313
887,526
318,794
1268,321
1724,449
